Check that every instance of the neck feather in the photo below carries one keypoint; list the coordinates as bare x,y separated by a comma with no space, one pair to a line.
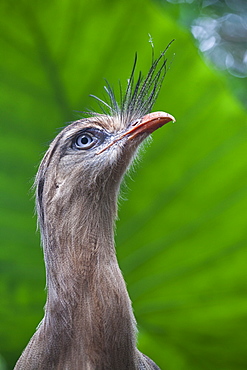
88,310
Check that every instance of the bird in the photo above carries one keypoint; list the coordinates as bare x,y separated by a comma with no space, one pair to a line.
88,321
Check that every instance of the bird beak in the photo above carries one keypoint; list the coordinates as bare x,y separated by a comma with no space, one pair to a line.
148,123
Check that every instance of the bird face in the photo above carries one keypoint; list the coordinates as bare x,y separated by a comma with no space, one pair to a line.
91,155
101,146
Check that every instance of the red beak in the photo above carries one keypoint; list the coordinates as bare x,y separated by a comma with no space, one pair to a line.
149,123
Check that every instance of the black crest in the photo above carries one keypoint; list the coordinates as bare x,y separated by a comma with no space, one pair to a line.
140,94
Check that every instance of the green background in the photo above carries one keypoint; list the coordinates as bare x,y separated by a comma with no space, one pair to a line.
181,236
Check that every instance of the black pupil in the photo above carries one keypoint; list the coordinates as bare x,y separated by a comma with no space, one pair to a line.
85,140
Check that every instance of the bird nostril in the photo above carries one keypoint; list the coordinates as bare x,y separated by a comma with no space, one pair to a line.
136,122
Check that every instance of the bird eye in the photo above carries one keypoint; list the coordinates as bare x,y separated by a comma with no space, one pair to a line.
88,138
84,141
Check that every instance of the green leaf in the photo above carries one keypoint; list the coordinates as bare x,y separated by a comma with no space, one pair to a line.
181,236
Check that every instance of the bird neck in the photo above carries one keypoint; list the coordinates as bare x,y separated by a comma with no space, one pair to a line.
88,310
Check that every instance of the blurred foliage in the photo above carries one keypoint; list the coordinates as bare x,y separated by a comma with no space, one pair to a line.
181,236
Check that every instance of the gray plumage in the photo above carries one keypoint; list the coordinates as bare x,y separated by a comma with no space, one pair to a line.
89,322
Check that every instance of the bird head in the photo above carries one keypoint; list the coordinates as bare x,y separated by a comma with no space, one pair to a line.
90,156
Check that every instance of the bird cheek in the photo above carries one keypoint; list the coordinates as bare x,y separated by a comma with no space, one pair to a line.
112,157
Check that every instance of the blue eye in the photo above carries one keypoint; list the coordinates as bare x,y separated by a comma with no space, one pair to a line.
85,141
88,138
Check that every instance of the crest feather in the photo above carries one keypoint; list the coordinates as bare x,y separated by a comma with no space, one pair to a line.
140,94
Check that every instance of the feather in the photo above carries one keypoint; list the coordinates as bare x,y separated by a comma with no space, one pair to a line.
140,94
